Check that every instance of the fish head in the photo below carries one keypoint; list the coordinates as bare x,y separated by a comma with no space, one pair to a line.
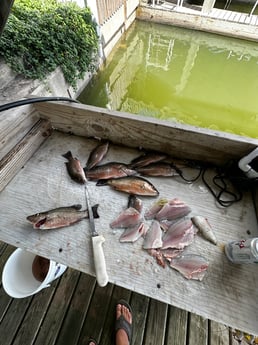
38,220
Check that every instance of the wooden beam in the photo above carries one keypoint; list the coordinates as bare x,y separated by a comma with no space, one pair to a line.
208,6
12,162
15,124
177,140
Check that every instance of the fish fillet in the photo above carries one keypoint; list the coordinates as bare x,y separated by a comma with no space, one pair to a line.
153,238
127,218
179,235
133,233
155,208
191,266
172,210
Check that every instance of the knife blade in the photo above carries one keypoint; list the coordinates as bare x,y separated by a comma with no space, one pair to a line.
97,244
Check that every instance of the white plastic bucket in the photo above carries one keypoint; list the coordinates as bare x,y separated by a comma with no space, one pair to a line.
18,279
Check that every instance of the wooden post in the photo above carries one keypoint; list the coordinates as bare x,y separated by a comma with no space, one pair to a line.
125,11
208,6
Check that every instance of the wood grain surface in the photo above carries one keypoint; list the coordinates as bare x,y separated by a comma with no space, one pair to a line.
182,141
227,294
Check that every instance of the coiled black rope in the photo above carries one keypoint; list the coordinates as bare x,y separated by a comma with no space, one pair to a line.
228,183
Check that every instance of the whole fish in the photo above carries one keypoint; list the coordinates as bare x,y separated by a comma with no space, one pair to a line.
157,169
191,266
132,185
60,217
97,154
133,233
205,228
127,218
74,168
172,210
146,159
153,238
109,170
179,235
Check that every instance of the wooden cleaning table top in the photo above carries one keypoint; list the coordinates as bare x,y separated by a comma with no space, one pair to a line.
228,293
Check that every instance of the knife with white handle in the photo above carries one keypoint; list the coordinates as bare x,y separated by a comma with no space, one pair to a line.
97,244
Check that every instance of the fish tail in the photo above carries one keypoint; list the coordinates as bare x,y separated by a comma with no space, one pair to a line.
95,211
68,155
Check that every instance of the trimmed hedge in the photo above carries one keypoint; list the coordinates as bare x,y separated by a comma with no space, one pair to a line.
41,35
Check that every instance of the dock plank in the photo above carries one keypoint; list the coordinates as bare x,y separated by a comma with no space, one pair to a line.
87,310
177,326
5,300
34,317
10,325
227,15
75,316
54,317
107,333
219,334
140,307
198,330
97,313
156,323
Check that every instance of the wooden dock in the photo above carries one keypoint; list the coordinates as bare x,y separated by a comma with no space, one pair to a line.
74,309
216,13
218,21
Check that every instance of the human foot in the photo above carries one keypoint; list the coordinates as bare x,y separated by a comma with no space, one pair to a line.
123,323
92,342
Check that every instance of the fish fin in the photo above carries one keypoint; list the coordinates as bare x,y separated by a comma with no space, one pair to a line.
95,211
68,155
102,182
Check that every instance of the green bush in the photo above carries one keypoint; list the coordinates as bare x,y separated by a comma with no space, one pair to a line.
42,35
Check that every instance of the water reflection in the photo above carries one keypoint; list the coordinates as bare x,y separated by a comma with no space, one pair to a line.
181,75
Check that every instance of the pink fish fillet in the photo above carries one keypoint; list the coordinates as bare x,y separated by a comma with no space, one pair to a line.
165,224
170,253
133,233
158,256
191,266
155,208
179,235
127,218
153,238
172,210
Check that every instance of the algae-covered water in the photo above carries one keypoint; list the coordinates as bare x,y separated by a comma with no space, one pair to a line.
181,75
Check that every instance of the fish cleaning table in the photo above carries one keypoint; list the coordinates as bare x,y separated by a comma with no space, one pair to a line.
228,293
33,178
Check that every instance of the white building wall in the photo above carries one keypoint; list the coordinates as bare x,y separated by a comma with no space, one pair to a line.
113,28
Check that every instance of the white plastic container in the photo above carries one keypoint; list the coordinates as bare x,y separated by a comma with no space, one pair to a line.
244,251
18,280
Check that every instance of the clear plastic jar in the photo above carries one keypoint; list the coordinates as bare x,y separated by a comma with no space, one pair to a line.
243,251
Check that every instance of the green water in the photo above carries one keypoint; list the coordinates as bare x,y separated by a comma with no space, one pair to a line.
185,76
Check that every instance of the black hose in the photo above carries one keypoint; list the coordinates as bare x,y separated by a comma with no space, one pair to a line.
14,104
